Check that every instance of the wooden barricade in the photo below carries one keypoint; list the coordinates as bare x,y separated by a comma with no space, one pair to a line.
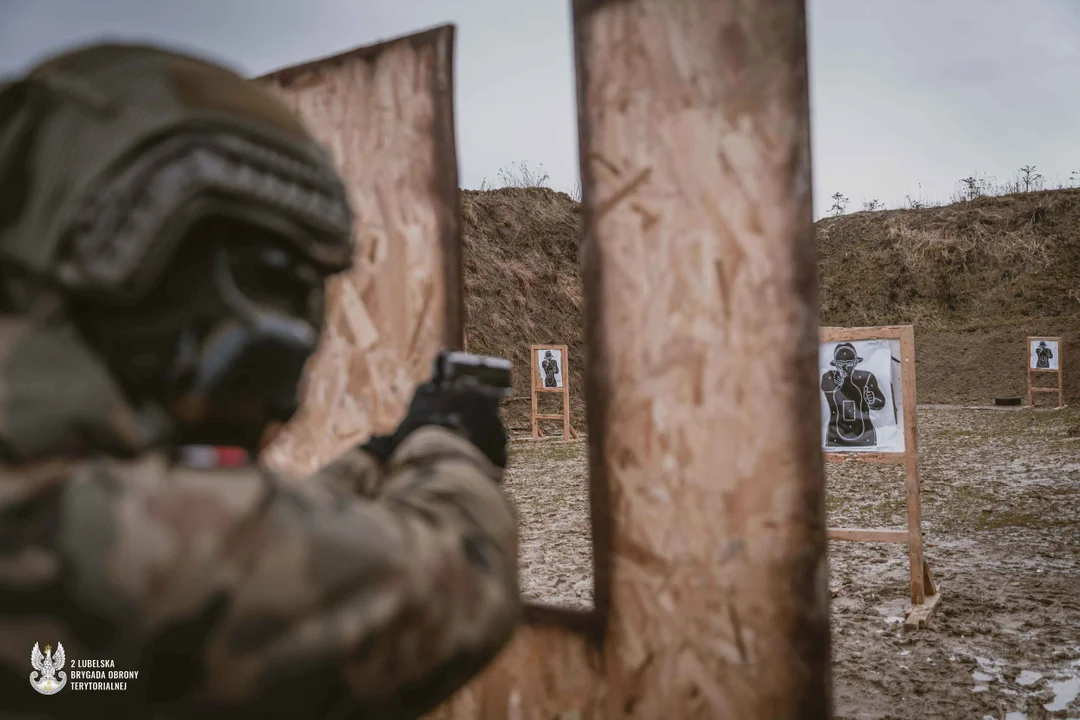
697,252
557,382
385,113
925,594
1044,350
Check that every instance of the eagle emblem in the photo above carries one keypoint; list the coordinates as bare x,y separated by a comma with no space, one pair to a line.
48,665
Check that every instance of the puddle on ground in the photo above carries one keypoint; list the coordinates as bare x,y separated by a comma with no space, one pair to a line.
1065,691
846,603
1027,678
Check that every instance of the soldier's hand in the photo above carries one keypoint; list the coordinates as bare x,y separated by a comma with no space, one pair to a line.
472,414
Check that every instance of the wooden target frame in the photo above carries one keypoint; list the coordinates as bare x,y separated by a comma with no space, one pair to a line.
1042,372
925,593
709,545
537,387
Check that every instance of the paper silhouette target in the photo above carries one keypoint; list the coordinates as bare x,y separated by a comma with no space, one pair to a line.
1044,355
860,383
549,363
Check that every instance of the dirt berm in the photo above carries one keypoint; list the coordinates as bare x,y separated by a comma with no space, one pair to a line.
974,278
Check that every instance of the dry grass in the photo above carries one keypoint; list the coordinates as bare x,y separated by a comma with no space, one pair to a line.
995,258
963,239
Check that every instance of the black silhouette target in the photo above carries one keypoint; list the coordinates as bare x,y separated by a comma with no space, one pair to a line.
549,362
1044,355
859,383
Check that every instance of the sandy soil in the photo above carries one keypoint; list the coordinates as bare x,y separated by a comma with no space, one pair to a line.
1001,514
548,483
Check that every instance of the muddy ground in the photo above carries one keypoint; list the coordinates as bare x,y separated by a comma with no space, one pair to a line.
1001,514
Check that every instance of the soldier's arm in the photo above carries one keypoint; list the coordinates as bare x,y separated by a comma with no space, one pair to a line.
270,595
356,472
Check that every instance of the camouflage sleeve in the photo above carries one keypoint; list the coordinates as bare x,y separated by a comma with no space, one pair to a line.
285,598
355,472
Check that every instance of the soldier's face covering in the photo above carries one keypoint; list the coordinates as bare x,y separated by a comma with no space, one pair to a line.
222,341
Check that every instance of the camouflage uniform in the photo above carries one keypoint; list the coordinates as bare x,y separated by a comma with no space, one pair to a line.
234,593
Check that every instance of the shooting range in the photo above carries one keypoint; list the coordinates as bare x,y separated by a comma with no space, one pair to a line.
653,191
551,375
716,402
870,416
1044,363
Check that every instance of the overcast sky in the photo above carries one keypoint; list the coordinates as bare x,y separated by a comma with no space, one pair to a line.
903,93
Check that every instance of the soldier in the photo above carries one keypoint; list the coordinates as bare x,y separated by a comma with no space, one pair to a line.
850,394
166,230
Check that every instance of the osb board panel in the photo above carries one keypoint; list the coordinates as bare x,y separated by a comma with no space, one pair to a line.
386,115
701,333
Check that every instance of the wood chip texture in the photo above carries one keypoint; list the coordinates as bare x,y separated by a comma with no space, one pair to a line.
385,115
701,335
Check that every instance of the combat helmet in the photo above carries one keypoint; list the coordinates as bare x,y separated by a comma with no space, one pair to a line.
110,153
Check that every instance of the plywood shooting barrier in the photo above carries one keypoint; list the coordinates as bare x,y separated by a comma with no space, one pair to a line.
925,595
385,113
1044,359
711,593
550,372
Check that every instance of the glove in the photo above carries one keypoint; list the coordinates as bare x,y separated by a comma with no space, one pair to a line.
470,413
381,447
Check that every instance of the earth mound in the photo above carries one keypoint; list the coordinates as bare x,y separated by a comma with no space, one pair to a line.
523,287
974,278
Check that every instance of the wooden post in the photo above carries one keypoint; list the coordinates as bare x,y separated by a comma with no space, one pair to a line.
911,466
532,392
1031,387
567,430
925,596
707,487
537,387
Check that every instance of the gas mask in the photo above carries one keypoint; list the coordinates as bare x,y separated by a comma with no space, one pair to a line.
222,342
259,348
